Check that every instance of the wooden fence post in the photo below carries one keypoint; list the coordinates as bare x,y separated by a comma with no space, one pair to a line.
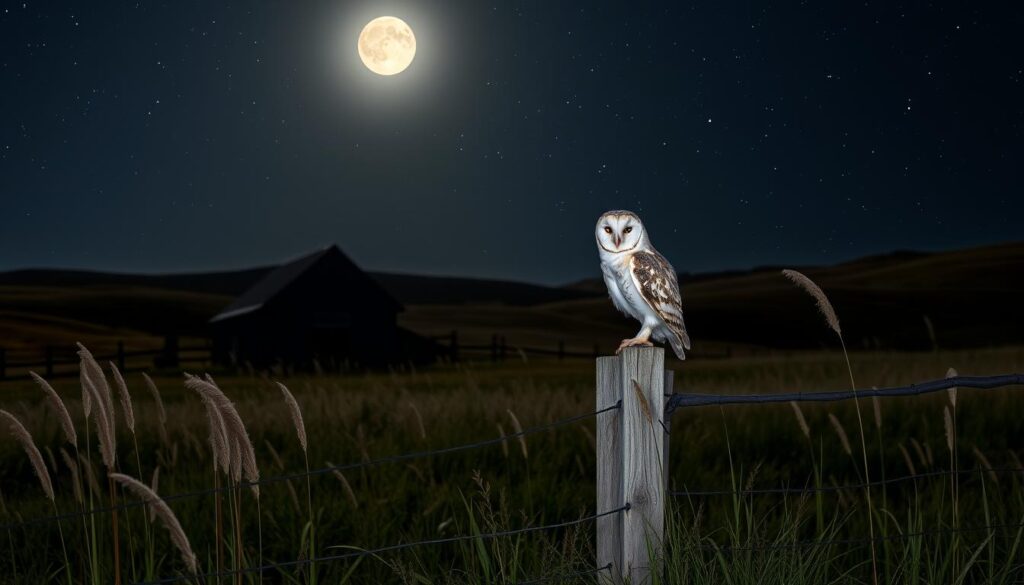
631,462
609,467
667,425
49,361
3,363
561,350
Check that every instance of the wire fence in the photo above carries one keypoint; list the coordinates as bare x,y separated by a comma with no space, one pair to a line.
675,401
790,491
979,382
390,548
681,400
936,531
320,471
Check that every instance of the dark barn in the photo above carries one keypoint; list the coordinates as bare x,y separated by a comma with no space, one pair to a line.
320,308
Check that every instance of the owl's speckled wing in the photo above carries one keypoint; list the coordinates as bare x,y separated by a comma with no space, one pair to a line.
657,282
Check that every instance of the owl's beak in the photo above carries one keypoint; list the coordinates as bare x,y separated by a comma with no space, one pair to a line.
618,240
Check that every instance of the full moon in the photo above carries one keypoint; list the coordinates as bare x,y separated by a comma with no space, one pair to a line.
387,45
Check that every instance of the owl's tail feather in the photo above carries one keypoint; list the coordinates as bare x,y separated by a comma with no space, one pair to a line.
678,347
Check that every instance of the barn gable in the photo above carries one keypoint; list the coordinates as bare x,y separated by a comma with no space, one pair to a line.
275,283
318,309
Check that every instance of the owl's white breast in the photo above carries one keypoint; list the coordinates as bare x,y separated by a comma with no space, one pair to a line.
615,268
622,288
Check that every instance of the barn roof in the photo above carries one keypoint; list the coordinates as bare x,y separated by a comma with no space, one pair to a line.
281,277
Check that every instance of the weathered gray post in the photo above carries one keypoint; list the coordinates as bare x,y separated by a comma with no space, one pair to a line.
631,459
609,467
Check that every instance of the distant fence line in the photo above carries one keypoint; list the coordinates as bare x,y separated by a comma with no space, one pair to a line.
51,360
499,350
62,361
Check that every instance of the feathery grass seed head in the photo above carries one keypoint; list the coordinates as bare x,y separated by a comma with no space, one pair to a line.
34,456
824,306
293,406
58,407
163,511
126,398
800,420
841,432
951,373
519,433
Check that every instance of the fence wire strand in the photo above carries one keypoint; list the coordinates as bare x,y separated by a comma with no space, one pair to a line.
862,541
389,548
979,382
854,486
321,471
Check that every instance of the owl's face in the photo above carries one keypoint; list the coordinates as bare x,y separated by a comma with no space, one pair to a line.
619,231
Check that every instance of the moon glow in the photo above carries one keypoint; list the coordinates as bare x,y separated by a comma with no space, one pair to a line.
387,45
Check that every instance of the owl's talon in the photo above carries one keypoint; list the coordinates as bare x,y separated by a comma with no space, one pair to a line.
632,342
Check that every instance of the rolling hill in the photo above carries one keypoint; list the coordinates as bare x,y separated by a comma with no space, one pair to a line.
903,300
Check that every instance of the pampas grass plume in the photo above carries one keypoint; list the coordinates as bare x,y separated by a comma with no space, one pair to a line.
841,432
126,398
34,456
163,511
296,412
519,433
800,419
824,306
951,373
58,406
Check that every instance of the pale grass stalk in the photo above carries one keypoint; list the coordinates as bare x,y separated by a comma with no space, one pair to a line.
877,405
59,409
349,493
160,411
800,420
504,444
126,398
985,464
419,420
953,483
76,477
829,313
129,420
518,428
300,431
35,458
952,373
154,484
103,406
948,424
907,459
164,513
296,412
21,434
841,433
920,453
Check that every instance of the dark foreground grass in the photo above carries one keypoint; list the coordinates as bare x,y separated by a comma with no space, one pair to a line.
549,478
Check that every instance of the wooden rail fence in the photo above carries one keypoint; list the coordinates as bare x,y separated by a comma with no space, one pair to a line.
62,361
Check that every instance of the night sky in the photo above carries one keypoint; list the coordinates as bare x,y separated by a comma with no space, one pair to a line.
198,135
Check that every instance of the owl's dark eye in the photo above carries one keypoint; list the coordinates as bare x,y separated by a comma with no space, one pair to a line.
628,229
607,230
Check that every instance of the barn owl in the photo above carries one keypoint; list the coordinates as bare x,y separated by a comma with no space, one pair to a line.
641,282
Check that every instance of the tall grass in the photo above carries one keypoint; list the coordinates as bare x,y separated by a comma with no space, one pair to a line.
741,539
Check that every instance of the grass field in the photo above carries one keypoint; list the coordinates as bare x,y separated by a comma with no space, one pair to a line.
547,478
